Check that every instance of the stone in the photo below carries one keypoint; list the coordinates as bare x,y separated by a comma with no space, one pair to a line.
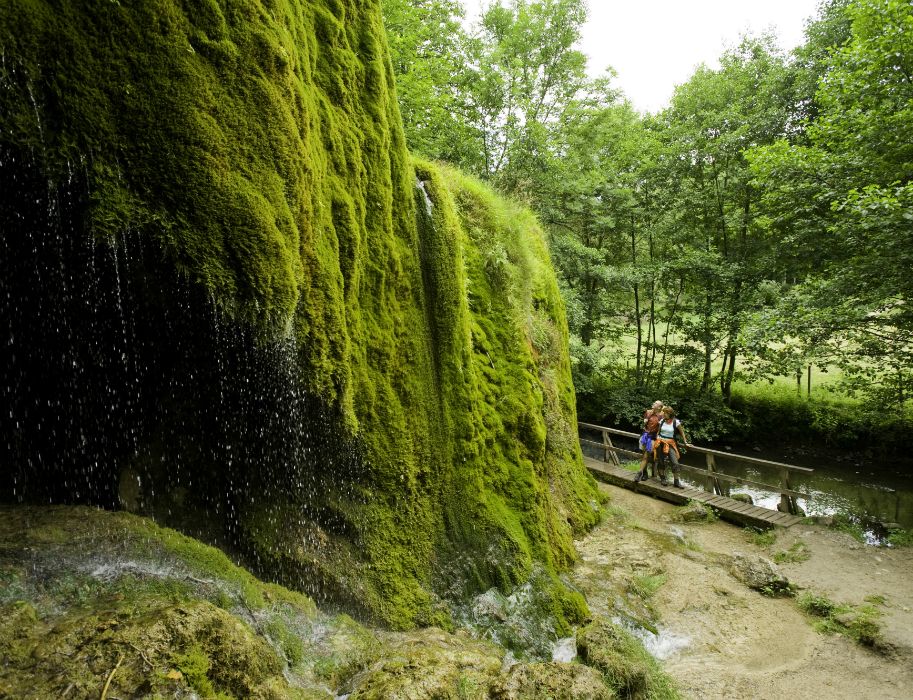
432,664
693,512
846,619
551,681
742,498
759,574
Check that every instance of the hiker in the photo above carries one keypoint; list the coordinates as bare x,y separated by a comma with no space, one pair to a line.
665,448
652,417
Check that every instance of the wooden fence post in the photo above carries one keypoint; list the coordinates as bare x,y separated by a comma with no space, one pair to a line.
715,484
609,450
787,502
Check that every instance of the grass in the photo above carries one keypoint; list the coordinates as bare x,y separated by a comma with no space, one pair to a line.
614,513
797,552
646,585
759,537
631,465
857,622
844,523
900,538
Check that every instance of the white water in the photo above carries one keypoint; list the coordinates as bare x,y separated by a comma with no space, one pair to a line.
565,650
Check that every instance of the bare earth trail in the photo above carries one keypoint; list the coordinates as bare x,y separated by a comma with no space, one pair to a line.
729,641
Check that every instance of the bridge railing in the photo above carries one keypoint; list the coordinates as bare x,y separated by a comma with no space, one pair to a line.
716,477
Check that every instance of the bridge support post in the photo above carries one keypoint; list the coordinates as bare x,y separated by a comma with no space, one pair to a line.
609,454
715,484
787,502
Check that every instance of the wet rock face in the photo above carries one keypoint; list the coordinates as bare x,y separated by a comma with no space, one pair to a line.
222,295
626,666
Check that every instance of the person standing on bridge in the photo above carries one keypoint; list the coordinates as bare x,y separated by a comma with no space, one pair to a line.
665,448
652,417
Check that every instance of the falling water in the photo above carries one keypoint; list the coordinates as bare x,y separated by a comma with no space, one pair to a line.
124,385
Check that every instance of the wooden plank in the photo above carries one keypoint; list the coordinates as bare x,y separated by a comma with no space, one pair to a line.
613,431
779,517
733,511
739,506
776,515
718,501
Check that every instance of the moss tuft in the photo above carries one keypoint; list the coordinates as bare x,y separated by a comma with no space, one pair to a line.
627,667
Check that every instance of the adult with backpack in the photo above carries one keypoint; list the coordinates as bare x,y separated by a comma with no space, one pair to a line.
665,448
652,417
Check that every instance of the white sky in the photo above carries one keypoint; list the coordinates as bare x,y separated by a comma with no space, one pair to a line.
655,45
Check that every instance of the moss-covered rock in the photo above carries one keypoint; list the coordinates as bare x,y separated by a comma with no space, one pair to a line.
89,595
551,681
627,667
432,664
252,154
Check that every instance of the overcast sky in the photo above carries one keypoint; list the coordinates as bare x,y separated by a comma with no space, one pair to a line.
655,45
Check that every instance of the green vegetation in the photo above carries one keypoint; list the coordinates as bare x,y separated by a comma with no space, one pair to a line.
627,667
645,586
796,553
900,538
85,588
859,623
761,538
849,525
259,149
715,252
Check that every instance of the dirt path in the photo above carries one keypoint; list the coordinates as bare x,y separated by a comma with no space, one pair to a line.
720,639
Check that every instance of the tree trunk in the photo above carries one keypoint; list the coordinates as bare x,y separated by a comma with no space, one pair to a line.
678,295
708,347
640,332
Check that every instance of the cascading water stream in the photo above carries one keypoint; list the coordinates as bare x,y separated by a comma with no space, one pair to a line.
122,386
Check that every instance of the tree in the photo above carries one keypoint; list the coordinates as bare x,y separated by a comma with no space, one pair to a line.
845,198
525,74
428,46
714,118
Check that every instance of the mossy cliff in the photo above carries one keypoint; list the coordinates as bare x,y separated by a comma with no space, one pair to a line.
386,334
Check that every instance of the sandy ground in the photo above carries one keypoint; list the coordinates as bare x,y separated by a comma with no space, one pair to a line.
720,639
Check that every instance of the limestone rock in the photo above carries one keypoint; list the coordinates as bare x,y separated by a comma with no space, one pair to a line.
432,664
759,573
694,512
626,666
551,681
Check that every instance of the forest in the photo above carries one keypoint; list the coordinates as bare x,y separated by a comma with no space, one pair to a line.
743,253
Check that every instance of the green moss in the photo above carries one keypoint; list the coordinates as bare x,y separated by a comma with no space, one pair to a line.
111,584
259,148
627,667
194,666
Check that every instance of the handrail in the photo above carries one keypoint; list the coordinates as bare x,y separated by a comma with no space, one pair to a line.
787,494
705,450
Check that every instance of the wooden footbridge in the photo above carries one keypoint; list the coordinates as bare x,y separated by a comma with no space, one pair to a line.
609,469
